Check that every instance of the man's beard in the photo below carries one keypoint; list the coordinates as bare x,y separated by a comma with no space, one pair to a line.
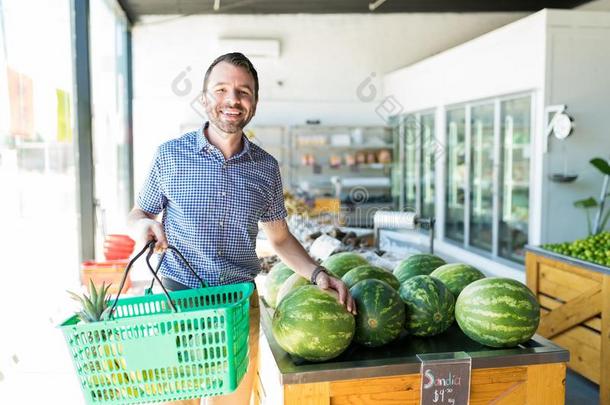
237,126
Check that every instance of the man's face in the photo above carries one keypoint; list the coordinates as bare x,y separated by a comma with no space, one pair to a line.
229,99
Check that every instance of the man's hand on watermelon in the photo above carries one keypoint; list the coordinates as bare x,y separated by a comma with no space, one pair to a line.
328,282
295,256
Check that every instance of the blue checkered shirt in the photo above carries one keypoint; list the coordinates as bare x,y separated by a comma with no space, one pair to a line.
211,207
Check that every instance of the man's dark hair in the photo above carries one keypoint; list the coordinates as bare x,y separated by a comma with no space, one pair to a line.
235,59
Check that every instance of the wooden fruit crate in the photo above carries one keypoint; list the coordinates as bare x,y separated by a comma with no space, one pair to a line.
574,298
535,384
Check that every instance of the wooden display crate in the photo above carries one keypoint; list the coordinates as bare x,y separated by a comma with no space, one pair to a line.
574,298
538,384
532,373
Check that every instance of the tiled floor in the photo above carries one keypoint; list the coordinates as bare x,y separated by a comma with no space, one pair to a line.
580,391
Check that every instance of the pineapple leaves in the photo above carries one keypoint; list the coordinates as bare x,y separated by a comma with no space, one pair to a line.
94,307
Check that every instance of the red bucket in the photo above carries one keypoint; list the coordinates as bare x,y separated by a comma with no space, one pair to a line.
118,247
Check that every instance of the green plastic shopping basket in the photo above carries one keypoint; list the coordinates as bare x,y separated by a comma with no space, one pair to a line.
163,347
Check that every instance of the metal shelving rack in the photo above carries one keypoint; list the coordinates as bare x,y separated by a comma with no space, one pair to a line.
365,187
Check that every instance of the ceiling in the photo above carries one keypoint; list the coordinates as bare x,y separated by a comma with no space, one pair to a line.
137,8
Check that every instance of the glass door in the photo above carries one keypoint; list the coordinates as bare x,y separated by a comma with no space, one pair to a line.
397,163
411,142
515,164
428,157
456,174
482,176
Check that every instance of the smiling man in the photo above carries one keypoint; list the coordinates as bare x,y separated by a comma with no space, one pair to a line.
213,187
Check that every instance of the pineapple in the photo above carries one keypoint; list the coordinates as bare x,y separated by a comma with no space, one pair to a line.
95,308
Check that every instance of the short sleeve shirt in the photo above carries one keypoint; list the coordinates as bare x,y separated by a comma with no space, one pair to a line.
211,207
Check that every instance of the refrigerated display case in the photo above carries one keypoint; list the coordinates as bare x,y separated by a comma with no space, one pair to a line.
456,174
486,161
397,166
482,176
515,164
416,149
487,168
429,152
411,161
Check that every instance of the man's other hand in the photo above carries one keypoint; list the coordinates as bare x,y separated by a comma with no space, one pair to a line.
326,282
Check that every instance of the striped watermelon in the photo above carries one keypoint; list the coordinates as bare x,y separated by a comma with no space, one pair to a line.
381,312
456,276
416,265
292,283
498,312
430,305
275,278
312,324
368,271
340,263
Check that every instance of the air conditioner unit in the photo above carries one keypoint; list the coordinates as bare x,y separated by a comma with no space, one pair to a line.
266,48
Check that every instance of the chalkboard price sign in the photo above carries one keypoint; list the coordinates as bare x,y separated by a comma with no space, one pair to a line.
445,378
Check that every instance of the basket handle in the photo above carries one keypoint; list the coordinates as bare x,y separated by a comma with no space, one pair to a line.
155,271
150,246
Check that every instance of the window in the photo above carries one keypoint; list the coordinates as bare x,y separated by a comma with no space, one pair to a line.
110,126
39,237
37,166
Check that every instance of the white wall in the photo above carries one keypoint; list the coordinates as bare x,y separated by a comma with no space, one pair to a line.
508,60
563,57
577,76
324,59
598,5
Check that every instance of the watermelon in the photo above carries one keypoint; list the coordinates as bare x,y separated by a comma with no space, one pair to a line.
311,323
340,263
456,276
417,265
497,312
430,305
366,272
381,312
292,283
275,278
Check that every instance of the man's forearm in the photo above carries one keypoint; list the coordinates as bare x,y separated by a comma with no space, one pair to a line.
295,256
137,214
143,226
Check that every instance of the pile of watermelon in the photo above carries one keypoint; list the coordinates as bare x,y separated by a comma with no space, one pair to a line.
422,296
